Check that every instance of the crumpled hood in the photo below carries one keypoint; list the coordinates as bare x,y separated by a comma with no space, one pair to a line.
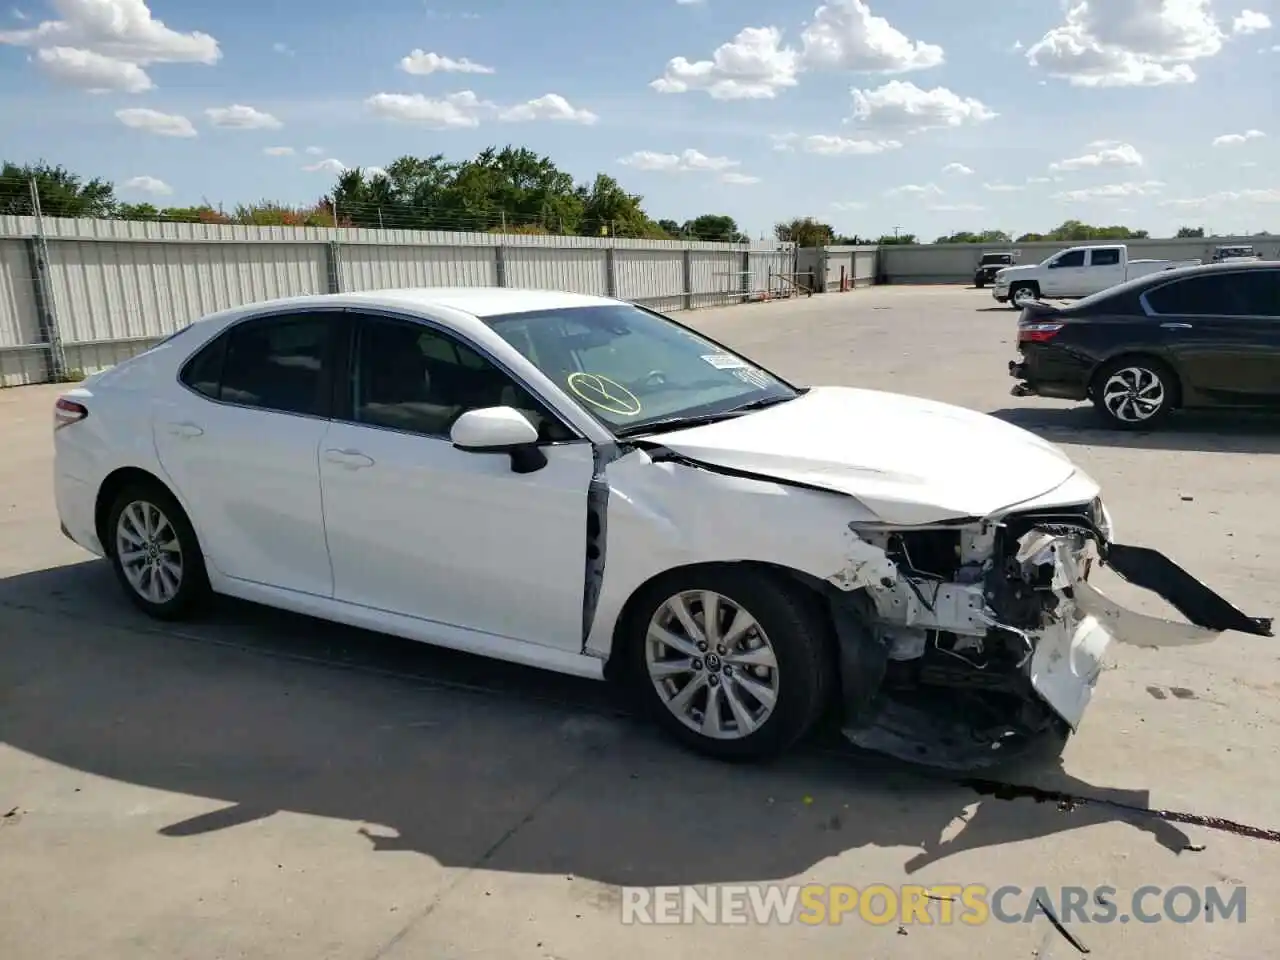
908,459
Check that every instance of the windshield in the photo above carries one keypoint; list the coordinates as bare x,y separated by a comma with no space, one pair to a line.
633,369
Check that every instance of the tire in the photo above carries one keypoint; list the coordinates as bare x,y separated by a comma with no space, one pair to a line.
1025,288
1145,374
174,539
790,626
979,283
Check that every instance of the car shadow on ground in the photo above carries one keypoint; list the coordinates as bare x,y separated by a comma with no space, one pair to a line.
1206,431
466,761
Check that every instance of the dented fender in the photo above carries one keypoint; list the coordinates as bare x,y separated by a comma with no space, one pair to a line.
662,513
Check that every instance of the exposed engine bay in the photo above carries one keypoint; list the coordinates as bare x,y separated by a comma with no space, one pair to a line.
987,639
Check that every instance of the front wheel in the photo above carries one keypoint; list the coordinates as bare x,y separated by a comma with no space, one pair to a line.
1022,294
733,663
155,553
1134,393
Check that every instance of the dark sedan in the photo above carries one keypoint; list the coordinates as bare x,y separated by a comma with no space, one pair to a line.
1196,337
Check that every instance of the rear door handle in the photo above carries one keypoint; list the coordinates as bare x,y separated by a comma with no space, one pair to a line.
185,429
1176,326
349,458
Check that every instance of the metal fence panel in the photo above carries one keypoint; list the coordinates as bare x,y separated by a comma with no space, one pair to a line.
370,266
573,269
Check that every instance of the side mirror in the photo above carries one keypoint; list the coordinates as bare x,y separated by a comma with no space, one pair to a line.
500,430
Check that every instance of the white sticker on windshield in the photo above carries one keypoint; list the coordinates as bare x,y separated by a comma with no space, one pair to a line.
756,378
724,361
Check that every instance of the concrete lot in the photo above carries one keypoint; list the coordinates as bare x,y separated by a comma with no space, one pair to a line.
260,785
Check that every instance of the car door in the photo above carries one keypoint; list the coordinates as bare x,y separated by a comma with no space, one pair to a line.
238,437
1223,330
1062,277
1105,268
420,528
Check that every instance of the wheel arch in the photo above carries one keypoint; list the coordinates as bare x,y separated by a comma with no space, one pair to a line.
1144,356
110,488
813,588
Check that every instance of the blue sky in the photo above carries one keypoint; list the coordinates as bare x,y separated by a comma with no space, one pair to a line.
863,113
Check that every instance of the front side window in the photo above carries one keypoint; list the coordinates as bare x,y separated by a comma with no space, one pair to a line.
1073,259
413,378
273,363
633,369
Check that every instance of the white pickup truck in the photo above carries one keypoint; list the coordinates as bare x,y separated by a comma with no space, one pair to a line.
1076,272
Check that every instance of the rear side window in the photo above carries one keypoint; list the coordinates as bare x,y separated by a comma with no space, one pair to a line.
280,364
1105,258
1243,294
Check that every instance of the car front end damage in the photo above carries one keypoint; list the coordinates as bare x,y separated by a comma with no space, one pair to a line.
969,644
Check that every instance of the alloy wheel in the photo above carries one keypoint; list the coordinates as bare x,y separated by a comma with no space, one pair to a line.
149,552
712,664
1133,394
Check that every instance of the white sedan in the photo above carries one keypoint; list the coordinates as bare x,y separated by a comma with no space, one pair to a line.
584,485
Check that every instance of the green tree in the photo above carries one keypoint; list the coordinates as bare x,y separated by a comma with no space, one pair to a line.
984,236
805,232
1188,232
900,239
62,193
714,226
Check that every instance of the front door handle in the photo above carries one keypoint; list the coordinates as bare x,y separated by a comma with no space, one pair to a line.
348,458
185,429
1176,326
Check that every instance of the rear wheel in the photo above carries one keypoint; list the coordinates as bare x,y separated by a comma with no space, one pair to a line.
1135,393
733,663
155,553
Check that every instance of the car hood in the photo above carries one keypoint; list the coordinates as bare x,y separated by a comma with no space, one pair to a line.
1005,272
907,459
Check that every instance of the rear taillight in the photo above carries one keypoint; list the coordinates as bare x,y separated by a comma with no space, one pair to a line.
1038,332
67,412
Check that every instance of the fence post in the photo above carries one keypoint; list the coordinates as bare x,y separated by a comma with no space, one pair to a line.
46,314
686,275
611,272
500,264
746,274
333,265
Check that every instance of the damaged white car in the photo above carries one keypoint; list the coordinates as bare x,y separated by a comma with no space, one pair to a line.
584,485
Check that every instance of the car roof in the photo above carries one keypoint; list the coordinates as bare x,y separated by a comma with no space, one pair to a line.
480,302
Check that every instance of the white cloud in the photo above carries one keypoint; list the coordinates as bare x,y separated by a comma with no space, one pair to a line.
465,110
689,3
153,121
1042,179
283,48
915,190
849,205
738,179
314,151
784,142
1003,187
1235,139
689,161
957,207
1129,43
18,14
902,105
239,117
552,106
92,71
149,185
752,66
1250,21
832,146
1111,191
371,173
421,63
1228,196
455,111
845,35
330,165
959,169
279,151
1107,153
